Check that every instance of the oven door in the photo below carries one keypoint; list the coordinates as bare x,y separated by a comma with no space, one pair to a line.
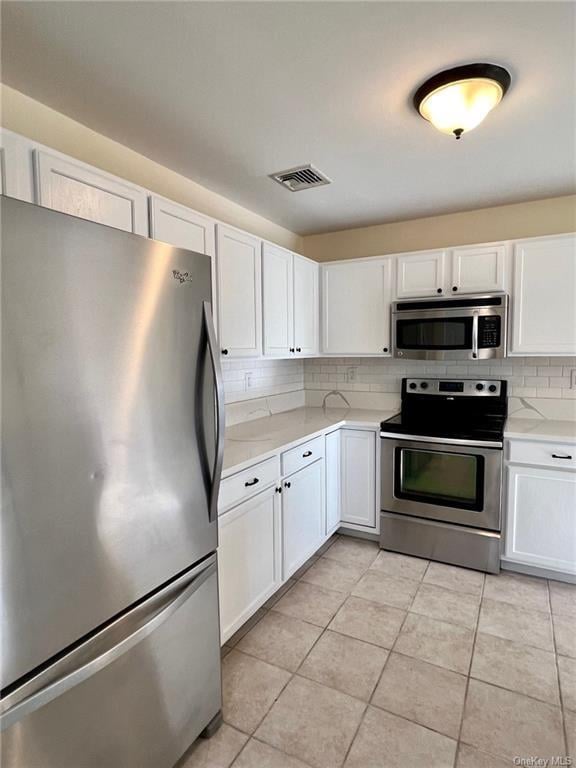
450,481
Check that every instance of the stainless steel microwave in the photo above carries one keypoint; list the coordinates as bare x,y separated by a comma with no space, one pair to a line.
463,328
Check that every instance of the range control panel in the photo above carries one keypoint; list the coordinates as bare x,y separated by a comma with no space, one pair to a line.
458,387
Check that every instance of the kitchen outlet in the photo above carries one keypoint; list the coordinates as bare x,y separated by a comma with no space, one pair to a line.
351,373
573,378
248,380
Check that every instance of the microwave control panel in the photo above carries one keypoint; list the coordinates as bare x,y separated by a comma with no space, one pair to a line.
489,331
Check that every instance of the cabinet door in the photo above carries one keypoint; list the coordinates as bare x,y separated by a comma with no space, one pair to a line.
16,174
277,301
420,274
333,484
356,307
302,515
541,518
478,269
306,306
358,477
249,559
544,298
73,187
180,226
238,265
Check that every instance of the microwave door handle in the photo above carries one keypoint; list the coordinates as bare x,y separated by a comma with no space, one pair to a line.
475,336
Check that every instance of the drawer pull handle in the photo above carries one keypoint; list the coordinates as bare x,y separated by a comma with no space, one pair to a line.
558,456
248,483
306,454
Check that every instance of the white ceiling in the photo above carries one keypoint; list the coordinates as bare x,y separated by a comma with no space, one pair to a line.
226,93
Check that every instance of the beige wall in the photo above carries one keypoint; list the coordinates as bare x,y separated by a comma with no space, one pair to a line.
30,118
505,222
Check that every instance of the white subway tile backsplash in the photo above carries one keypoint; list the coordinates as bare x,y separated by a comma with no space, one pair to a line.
527,377
269,377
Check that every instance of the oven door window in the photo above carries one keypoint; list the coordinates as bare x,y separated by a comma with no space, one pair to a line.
440,478
439,333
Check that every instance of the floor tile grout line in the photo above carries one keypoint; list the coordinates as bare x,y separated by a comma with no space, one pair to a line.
466,692
560,693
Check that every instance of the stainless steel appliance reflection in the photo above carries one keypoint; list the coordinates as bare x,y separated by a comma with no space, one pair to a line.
112,449
441,472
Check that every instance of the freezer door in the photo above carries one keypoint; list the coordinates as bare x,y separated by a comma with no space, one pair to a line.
108,424
135,696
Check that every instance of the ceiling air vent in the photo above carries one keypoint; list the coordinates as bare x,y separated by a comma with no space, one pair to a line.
301,177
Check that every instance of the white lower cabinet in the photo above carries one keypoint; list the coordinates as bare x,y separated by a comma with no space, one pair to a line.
249,558
358,478
541,518
333,483
303,516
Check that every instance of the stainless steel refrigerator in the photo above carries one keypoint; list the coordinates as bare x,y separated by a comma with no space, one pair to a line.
112,446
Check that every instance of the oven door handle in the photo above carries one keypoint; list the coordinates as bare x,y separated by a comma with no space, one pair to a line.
443,440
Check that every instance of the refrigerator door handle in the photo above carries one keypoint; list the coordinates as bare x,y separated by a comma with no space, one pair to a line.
11,713
220,415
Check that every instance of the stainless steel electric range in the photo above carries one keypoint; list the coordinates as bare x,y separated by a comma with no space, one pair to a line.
441,472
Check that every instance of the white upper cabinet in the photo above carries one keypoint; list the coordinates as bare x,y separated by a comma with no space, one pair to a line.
16,170
306,306
477,269
239,281
420,274
470,269
277,301
290,303
544,297
73,187
180,226
356,307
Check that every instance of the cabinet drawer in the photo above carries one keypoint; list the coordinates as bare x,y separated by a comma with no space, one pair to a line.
245,484
304,454
542,453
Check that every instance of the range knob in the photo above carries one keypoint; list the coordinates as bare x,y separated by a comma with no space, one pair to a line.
424,385
492,387
412,385
479,387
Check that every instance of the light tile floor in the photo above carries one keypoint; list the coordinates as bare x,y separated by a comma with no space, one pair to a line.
370,659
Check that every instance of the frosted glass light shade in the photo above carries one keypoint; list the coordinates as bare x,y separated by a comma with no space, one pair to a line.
457,100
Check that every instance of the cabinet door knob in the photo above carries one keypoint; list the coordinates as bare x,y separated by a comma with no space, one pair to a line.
224,351
454,287
384,349
248,483
306,454
292,349
438,290
558,456
278,490
298,349
287,485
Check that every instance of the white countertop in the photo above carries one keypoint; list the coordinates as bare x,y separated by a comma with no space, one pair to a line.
255,440
541,429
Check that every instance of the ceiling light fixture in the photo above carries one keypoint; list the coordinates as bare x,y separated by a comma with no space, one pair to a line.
457,100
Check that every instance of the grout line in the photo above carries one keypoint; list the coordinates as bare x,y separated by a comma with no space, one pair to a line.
459,739
562,707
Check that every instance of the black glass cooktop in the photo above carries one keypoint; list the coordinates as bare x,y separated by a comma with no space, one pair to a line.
488,429
462,409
